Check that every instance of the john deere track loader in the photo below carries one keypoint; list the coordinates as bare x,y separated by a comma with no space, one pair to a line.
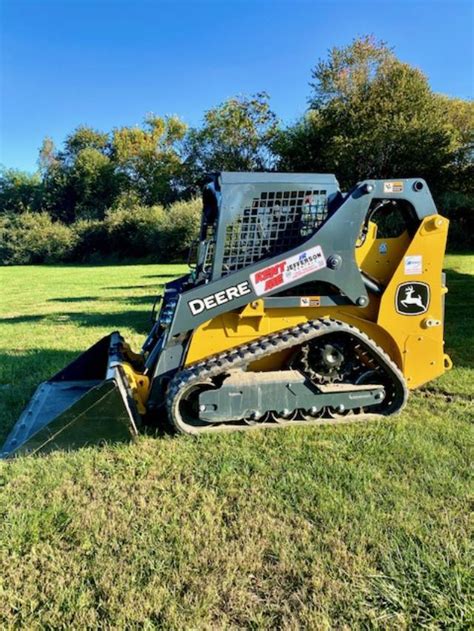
305,306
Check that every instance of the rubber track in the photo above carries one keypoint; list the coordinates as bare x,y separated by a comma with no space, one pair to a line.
239,357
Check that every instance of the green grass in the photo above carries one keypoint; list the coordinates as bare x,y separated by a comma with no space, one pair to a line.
362,526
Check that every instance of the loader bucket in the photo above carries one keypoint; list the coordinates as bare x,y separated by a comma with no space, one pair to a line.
86,403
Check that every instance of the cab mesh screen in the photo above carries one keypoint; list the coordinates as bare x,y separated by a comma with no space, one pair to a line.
274,223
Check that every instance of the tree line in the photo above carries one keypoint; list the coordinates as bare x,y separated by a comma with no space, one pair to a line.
122,192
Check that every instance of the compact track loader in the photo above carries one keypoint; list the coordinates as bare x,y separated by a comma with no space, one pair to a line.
305,306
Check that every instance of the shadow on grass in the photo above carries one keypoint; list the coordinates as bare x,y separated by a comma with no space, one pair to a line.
139,321
168,276
139,300
75,299
111,287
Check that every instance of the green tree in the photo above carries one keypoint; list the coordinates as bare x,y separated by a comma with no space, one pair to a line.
19,191
235,136
96,169
370,115
94,182
148,159
83,138
47,156
459,120
79,181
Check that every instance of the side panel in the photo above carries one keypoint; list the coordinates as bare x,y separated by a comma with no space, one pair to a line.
411,307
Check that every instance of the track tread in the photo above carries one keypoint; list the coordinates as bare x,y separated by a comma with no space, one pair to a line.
242,356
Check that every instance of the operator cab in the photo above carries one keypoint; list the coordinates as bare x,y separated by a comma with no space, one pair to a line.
248,217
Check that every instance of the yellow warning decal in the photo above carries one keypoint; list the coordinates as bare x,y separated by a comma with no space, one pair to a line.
393,187
310,301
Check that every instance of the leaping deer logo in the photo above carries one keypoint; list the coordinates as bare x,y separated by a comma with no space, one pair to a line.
411,299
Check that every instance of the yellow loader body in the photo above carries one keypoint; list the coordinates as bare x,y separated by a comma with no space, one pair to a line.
415,344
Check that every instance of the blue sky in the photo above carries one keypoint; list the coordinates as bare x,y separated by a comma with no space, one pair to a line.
109,62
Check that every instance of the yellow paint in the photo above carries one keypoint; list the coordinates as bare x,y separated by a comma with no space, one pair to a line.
422,347
139,385
413,342
381,266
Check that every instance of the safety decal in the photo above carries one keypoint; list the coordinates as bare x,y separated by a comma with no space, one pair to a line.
310,301
393,187
413,264
412,298
288,270
198,305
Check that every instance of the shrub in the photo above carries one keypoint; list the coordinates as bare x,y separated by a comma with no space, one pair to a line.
92,239
34,238
179,230
129,229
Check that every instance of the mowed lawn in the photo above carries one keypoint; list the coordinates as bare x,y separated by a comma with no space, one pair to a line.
362,526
